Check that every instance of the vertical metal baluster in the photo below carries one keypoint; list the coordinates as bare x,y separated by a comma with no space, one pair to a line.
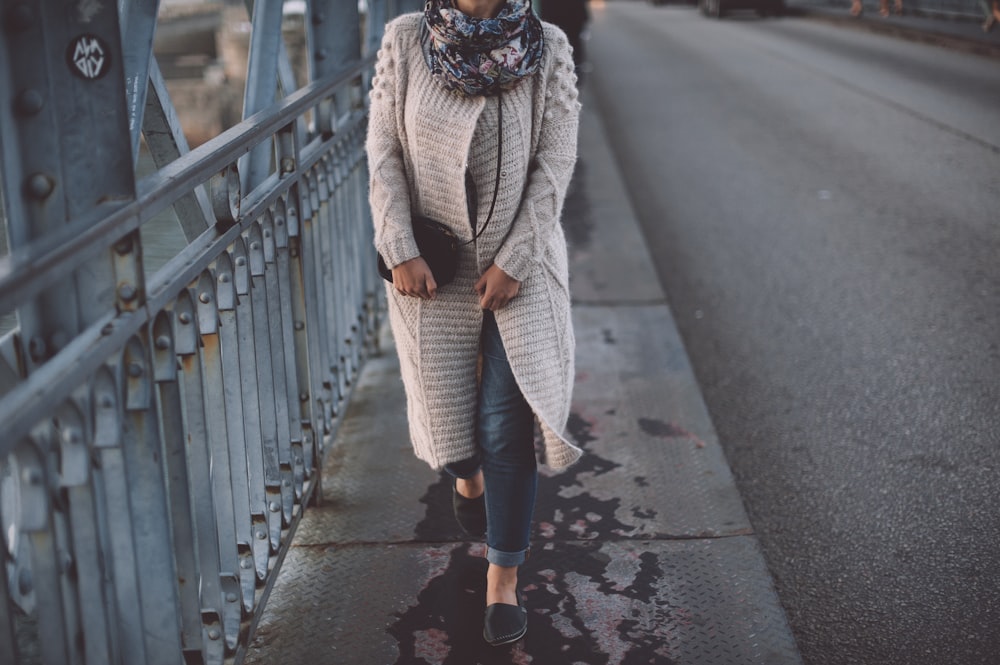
114,519
328,264
252,419
8,647
88,577
312,244
265,383
36,524
341,281
309,408
178,483
355,222
218,442
63,470
199,461
297,388
151,519
276,331
232,384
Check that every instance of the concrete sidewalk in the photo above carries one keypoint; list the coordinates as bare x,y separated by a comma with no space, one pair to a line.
641,553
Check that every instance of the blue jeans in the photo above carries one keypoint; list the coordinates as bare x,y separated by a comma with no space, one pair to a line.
505,433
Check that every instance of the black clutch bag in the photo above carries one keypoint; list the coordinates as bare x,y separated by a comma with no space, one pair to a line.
438,246
437,243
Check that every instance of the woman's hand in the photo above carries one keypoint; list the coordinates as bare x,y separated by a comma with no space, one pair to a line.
414,278
496,288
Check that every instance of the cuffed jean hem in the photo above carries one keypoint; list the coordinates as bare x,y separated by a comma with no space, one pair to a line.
506,559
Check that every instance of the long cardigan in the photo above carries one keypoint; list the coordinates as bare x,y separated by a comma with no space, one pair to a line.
418,142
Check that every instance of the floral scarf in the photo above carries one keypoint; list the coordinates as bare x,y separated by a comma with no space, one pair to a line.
481,56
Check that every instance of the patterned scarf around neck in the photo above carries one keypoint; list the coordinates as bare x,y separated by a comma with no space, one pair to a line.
481,56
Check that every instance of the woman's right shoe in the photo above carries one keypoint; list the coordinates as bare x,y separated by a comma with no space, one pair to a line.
504,623
470,513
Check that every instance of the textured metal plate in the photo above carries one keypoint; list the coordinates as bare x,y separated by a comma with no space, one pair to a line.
690,601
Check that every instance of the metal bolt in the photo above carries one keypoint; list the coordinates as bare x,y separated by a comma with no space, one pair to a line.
134,370
245,564
261,535
224,278
240,261
163,342
303,397
127,292
184,318
39,186
286,483
124,246
273,506
267,233
299,325
214,634
32,476
30,102
255,245
107,402
232,597
205,297
72,435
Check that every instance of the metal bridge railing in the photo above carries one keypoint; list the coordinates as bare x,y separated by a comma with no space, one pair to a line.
161,437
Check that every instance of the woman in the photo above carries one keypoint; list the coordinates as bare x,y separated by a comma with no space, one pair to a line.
454,86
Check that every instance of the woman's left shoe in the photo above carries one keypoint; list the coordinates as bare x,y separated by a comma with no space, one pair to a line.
470,513
504,623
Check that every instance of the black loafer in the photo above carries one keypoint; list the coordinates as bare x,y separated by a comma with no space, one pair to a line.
504,623
470,513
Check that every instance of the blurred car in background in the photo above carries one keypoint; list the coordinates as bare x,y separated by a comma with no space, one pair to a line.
717,8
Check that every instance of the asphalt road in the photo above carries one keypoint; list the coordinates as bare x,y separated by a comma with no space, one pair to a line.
824,207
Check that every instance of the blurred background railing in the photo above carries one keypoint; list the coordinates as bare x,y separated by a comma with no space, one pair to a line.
181,326
956,9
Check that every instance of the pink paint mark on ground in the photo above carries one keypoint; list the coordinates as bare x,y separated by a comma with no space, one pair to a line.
546,530
434,561
518,656
431,645
548,575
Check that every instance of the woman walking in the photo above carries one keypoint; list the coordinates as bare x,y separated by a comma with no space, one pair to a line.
473,123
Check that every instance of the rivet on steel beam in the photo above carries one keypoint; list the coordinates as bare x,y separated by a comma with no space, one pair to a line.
32,476
267,233
322,54
29,102
124,246
255,245
163,342
286,483
240,261
184,318
224,279
127,292
245,564
261,535
72,435
39,185
299,325
303,397
231,597
273,506
205,297
135,370
107,402
294,253
214,634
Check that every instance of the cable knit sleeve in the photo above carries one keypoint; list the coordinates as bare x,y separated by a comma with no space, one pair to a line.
388,190
551,167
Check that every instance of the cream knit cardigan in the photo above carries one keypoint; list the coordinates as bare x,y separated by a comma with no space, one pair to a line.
418,142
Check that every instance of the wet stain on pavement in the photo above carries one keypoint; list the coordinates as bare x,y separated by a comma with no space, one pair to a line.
666,430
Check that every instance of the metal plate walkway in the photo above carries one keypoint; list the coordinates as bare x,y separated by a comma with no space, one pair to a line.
641,553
